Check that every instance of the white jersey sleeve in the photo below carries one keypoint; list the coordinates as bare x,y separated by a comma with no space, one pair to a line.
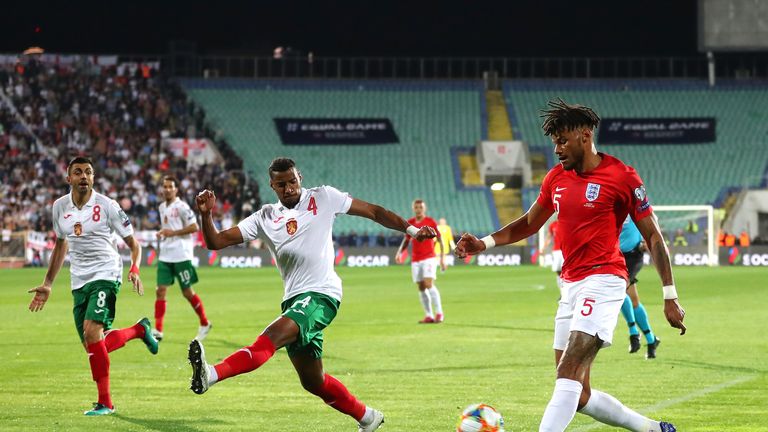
118,220
187,215
56,213
250,227
339,201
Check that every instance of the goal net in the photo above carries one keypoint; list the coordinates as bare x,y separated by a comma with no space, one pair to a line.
689,230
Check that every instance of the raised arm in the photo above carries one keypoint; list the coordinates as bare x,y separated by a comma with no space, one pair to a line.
43,291
522,227
654,241
388,219
215,239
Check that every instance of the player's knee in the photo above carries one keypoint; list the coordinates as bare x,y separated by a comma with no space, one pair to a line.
188,293
282,332
568,368
92,332
312,384
160,292
586,393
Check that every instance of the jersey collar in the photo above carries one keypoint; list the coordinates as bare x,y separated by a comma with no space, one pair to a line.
90,202
282,208
172,202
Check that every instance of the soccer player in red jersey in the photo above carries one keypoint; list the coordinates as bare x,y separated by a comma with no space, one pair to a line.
424,264
592,194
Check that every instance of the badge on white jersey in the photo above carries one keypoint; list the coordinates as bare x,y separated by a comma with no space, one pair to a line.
291,226
593,191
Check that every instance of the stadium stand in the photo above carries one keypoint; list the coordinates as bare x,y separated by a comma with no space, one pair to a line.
118,117
430,117
674,174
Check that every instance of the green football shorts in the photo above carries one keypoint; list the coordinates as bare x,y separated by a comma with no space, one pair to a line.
183,271
95,301
312,312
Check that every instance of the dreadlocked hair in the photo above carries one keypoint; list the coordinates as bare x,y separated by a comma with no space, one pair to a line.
561,116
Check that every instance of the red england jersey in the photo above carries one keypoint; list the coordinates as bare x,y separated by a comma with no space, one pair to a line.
421,250
554,236
591,208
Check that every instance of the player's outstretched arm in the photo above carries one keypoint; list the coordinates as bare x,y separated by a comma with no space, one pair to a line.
167,232
654,241
133,273
43,291
215,239
520,228
388,219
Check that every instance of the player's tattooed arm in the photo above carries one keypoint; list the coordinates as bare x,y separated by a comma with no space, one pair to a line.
654,240
386,218
43,291
215,239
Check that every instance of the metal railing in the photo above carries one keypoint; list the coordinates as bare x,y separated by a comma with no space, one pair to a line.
727,66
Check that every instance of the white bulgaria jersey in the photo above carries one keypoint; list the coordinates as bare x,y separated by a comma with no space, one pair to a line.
89,231
177,216
300,239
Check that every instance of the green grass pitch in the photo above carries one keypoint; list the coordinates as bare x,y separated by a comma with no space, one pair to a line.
495,347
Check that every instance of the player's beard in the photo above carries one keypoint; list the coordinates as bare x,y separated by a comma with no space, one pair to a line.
290,202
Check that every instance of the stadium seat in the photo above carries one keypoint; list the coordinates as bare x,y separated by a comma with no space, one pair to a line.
429,117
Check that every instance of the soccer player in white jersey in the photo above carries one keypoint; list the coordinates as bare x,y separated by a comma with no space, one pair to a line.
175,256
85,222
297,230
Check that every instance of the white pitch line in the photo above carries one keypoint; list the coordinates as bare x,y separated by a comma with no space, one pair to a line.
670,402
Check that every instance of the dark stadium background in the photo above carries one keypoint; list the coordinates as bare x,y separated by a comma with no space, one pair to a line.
360,28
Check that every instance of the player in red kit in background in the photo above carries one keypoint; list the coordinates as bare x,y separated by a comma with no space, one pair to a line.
424,264
557,253
592,194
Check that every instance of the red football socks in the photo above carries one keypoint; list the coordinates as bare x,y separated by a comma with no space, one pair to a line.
337,396
116,339
159,314
246,359
99,360
197,305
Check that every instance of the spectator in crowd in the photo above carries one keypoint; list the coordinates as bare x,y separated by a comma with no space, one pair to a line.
120,115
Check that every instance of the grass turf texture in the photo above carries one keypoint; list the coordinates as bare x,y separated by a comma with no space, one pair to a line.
495,347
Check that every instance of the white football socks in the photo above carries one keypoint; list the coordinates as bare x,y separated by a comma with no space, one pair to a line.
607,409
562,406
367,417
213,377
437,304
426,303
